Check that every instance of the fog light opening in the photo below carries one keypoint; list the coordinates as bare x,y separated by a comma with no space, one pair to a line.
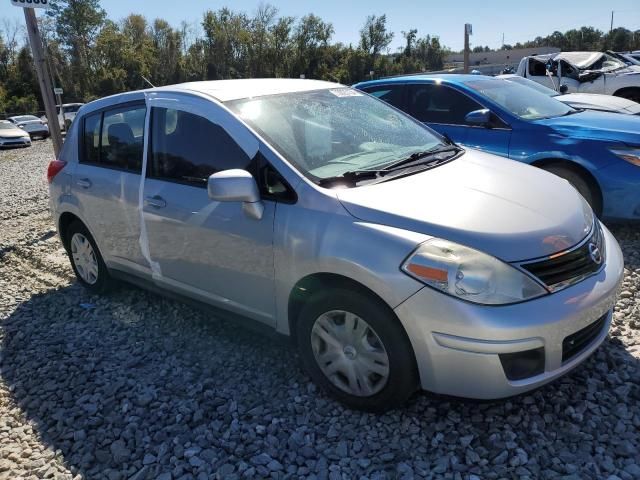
521,365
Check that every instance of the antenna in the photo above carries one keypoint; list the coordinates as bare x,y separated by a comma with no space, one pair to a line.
147,80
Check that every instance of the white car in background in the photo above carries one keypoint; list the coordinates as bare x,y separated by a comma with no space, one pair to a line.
12,136
66,114
583,101
583,72
31,124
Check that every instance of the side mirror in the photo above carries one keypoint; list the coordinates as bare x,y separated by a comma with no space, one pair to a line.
564,88
236,186
480,118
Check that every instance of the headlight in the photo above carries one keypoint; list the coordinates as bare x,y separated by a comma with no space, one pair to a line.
468,274
630,154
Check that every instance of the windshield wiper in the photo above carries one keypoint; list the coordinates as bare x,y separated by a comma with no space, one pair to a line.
432,154
435,156
380,174
351,176
573,112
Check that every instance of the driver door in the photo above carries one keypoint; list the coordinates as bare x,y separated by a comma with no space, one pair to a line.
206,249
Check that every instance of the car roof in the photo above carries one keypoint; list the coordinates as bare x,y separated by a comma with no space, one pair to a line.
456,78
227,90
222,90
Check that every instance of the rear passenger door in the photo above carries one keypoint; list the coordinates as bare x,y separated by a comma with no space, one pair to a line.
107,178
209,250
444,109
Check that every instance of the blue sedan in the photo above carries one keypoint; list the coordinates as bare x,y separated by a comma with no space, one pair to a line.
597,152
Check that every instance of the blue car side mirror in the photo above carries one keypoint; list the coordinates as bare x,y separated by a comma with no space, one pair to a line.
480,118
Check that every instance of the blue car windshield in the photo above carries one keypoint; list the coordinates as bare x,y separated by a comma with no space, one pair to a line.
524,102
325,133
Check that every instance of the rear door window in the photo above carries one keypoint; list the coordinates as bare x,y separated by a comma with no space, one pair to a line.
440,104
187,148
114,138
392,94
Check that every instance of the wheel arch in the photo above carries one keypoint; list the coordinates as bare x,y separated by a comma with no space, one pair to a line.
580,170
624,91
66,219
307,286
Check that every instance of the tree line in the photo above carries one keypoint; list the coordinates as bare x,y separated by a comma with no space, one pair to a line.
581,39
91,56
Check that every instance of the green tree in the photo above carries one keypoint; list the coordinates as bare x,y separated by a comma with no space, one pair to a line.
78,23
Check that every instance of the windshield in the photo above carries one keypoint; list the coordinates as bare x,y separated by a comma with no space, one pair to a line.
521,101
6,126
24,118
325,133
606,63
71,108
549,92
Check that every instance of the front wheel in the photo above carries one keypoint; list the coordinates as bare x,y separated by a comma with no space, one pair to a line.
354,347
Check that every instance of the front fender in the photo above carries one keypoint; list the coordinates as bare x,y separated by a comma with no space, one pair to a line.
307,242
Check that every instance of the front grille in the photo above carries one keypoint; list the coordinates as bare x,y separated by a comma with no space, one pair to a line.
576,342
564,269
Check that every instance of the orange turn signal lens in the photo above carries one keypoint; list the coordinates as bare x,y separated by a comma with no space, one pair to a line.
430,273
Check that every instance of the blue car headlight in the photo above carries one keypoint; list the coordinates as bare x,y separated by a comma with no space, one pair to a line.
630,154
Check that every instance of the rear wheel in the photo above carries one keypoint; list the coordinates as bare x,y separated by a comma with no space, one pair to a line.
580,183
354,347
86,261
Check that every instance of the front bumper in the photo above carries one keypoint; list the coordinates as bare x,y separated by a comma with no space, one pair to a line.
38,131
458,344
15,142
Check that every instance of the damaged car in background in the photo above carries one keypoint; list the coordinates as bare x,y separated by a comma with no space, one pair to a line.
582,101
584,72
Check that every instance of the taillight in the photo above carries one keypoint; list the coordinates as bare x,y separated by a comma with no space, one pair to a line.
55,166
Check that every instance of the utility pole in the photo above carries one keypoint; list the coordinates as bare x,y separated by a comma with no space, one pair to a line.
44,78
611,29
467,32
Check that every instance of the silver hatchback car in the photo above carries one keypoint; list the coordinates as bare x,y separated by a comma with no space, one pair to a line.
394,258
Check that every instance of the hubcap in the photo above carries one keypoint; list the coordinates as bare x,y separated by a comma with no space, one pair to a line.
84,258
350,353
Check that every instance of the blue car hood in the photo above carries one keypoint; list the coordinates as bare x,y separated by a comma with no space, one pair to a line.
605,126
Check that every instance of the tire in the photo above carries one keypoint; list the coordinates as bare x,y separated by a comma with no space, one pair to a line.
381,333
76,237
580,183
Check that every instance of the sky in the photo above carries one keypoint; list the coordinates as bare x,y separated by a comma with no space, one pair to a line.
517,20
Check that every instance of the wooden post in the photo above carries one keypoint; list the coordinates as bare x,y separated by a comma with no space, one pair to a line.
466,48
46,89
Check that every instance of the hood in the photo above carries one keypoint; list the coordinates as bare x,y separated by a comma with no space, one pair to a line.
13,133
593,125
508,209
594,101
629,70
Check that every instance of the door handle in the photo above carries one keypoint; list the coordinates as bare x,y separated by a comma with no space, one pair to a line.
84,182
156,201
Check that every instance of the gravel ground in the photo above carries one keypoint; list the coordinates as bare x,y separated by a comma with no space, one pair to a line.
132,385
